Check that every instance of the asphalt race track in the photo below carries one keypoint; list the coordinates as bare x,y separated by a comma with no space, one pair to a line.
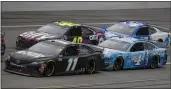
14,23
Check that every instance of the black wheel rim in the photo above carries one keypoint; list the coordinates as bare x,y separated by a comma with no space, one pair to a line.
91,67
117,65
49,70
154,64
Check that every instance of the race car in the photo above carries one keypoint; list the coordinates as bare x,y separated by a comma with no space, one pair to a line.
53,57
132,53
69,31
3,46
138,30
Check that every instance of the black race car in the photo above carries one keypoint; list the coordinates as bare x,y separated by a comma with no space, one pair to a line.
3,46
77,33
53,57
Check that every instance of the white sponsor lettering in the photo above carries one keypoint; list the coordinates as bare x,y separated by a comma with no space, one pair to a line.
70,62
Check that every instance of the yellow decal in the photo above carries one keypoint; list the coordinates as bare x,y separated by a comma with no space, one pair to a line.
77,40
67,24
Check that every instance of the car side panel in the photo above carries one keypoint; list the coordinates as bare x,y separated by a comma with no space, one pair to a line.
77,63
161,52
135,59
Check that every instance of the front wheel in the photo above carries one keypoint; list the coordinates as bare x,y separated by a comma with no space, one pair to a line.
118,64
90,67
49,70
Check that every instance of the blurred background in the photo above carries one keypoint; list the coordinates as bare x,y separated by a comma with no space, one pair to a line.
49,6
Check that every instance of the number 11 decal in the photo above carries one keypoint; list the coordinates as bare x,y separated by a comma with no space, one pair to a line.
70,62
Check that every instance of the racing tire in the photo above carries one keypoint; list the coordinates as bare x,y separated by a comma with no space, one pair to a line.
154,62
118,64
49,70
90,67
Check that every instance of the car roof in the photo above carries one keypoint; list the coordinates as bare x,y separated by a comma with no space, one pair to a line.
125,39
70,24
65,23
58,42
97,29
133,40
132,23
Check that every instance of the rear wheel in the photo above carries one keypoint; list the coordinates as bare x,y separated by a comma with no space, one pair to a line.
49,70
90,67
118,64
154,63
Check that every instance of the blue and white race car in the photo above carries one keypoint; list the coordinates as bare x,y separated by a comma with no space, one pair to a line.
138,30
125,53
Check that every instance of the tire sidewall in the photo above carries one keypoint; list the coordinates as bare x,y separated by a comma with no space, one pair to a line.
90,61
121,65
48,75
154,62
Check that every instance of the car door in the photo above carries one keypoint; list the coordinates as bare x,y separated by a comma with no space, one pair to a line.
89,36
74,34
137,55
142,33
85,53
68,59
150,50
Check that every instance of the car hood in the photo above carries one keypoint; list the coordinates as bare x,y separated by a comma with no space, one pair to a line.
109,52
38,35
29,56
109,34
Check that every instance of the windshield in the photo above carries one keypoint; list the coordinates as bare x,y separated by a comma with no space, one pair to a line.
53,29
115,44
120,28
46,48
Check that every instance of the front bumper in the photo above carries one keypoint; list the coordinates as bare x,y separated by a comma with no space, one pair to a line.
26,71
108,66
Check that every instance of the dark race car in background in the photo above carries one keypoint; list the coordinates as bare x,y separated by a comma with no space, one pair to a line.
138,30
77,33
54,57
3,46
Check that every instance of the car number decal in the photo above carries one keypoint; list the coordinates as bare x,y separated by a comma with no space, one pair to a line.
70,62
77,40
138,59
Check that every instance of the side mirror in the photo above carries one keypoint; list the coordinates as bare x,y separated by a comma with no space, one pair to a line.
2,34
